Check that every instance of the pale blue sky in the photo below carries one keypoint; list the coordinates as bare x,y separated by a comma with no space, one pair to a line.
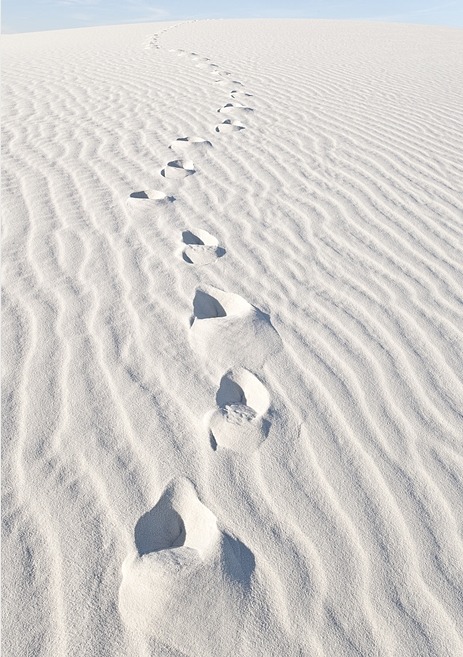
34,15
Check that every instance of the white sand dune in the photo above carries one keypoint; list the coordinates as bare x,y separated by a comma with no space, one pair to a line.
232,341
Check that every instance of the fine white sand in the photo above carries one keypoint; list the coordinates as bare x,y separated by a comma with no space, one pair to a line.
232,341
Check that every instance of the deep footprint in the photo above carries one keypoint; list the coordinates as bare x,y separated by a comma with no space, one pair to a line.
178,169
178,545
201,248
178,522
240,422
227,331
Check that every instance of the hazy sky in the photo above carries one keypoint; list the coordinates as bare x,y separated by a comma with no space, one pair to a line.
32,15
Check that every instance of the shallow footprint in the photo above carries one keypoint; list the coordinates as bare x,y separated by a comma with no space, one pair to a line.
182,144
205,64
234,108
201,248
229,126
240,95
226,82
178,169
152,44
148,197
240,421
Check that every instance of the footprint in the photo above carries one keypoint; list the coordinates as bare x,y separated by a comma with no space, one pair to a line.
229,126
205,64
171,543
149,197
201,248
211,303
182,144
234,108
178,169
240,421
227,331
240,95
152,41
178,522
227,82
178,547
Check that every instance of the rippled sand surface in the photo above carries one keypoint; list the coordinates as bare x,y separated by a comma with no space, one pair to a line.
232,341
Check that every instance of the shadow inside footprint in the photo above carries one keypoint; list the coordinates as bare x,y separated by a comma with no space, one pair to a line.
229,393
206,306
162,528
215,303
190,238
139,195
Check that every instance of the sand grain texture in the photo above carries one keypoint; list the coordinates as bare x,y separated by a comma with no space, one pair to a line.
232,341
